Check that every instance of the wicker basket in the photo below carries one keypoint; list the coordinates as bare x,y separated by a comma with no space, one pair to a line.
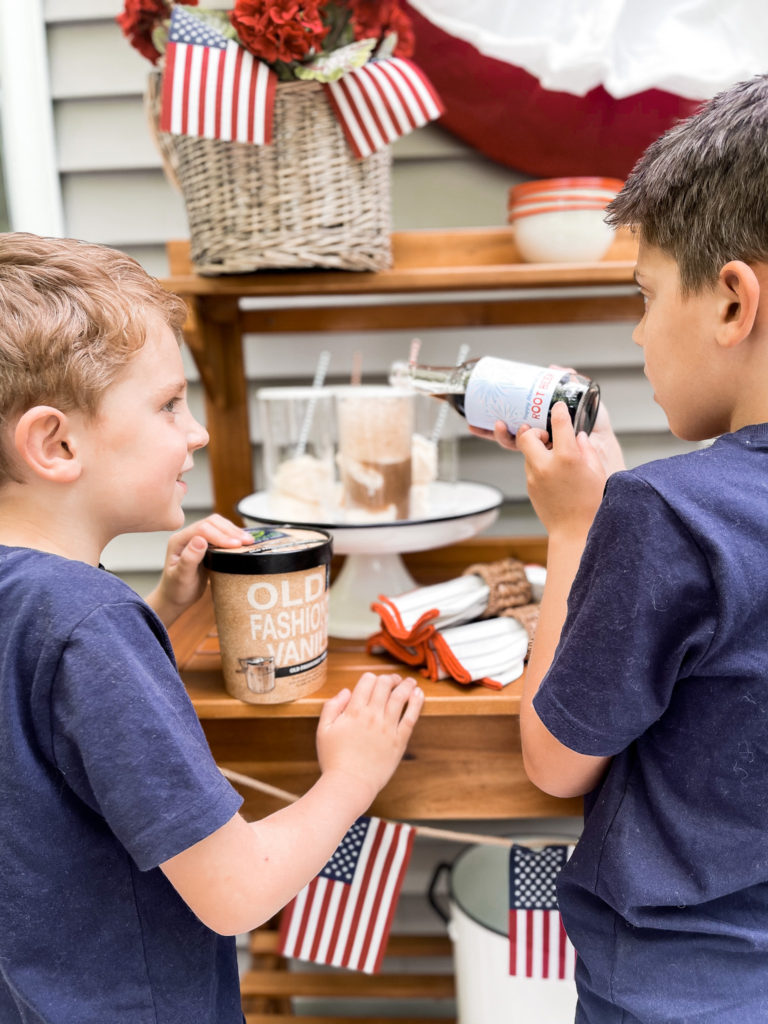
302,201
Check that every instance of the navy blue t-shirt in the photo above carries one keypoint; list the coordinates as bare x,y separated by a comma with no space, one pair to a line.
104,774
663,664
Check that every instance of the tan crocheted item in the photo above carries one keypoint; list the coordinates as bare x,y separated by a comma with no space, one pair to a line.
509,586
528,617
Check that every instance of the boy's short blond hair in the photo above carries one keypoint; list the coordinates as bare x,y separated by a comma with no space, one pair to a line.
72,314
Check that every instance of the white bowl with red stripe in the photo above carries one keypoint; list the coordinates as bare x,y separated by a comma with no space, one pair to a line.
561,220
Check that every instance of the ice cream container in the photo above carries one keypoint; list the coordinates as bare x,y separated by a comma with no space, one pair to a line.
271,605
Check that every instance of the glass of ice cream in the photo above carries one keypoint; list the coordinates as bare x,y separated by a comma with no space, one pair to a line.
297,427
375,426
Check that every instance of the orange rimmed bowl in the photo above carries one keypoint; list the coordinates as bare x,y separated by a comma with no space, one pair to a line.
561,220
561,187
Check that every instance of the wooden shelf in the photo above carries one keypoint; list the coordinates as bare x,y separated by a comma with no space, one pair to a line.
476,273
197,650
463,760
268,987
434,260
347,660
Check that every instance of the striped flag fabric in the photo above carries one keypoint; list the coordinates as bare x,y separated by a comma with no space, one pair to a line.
538,945
212,87
343,917
381,101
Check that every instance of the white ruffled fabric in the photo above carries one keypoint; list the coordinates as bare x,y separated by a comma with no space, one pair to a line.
691,48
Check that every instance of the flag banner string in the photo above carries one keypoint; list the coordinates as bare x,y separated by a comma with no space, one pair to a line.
213,88
449,835
343,917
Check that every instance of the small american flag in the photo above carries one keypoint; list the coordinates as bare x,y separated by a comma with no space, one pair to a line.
381,101
343,917
538,945
212,86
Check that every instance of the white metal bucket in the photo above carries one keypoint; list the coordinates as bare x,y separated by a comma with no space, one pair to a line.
478,926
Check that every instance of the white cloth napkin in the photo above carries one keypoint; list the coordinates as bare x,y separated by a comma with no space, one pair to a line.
491,651
407,616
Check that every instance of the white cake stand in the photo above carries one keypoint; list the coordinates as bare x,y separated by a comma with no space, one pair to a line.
373,566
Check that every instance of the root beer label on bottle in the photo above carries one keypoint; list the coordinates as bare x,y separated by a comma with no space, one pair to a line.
513,392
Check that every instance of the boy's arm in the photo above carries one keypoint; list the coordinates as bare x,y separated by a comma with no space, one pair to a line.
549,764
565,484
243,873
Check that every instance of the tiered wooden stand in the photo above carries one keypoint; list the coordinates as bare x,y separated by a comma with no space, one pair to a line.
464,760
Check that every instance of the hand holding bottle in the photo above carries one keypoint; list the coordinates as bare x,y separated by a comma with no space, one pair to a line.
565,480
602,439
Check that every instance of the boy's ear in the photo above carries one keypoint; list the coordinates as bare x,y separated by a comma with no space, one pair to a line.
738,299
43,441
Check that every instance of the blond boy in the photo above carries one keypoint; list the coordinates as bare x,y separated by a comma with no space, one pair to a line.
125,867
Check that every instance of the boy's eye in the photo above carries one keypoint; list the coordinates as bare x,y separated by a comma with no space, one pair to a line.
170,405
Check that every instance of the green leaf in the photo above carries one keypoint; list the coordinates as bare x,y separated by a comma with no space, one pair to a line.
329,67
387,46
159,36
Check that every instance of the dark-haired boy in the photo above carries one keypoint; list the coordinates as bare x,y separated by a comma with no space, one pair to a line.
648,683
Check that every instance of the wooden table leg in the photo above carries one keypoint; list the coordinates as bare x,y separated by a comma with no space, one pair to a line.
216,345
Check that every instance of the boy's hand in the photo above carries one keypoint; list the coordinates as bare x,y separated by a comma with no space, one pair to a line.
362,734
565,482
602,439
183,579
605,443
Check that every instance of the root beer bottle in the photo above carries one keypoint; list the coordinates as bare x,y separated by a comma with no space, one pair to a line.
487,389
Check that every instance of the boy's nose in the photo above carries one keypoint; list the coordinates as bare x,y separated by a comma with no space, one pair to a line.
198,436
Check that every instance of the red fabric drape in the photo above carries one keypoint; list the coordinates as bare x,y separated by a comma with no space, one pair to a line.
504,113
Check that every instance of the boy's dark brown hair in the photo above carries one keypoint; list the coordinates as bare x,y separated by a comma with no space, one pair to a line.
700,191
72,314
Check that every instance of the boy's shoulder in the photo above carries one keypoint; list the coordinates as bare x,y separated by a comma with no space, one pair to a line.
34,563
707,467
717,492
57,587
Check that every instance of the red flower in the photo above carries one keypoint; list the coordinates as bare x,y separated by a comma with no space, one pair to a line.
374,19
138,20
280,30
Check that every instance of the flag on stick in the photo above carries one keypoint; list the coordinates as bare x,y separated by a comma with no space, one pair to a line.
538,945
381,101
212,86
343,917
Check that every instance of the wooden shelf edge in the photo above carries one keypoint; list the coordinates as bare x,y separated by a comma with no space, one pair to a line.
424,260
338,982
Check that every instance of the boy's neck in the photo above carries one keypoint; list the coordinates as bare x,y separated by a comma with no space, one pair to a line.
27,523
